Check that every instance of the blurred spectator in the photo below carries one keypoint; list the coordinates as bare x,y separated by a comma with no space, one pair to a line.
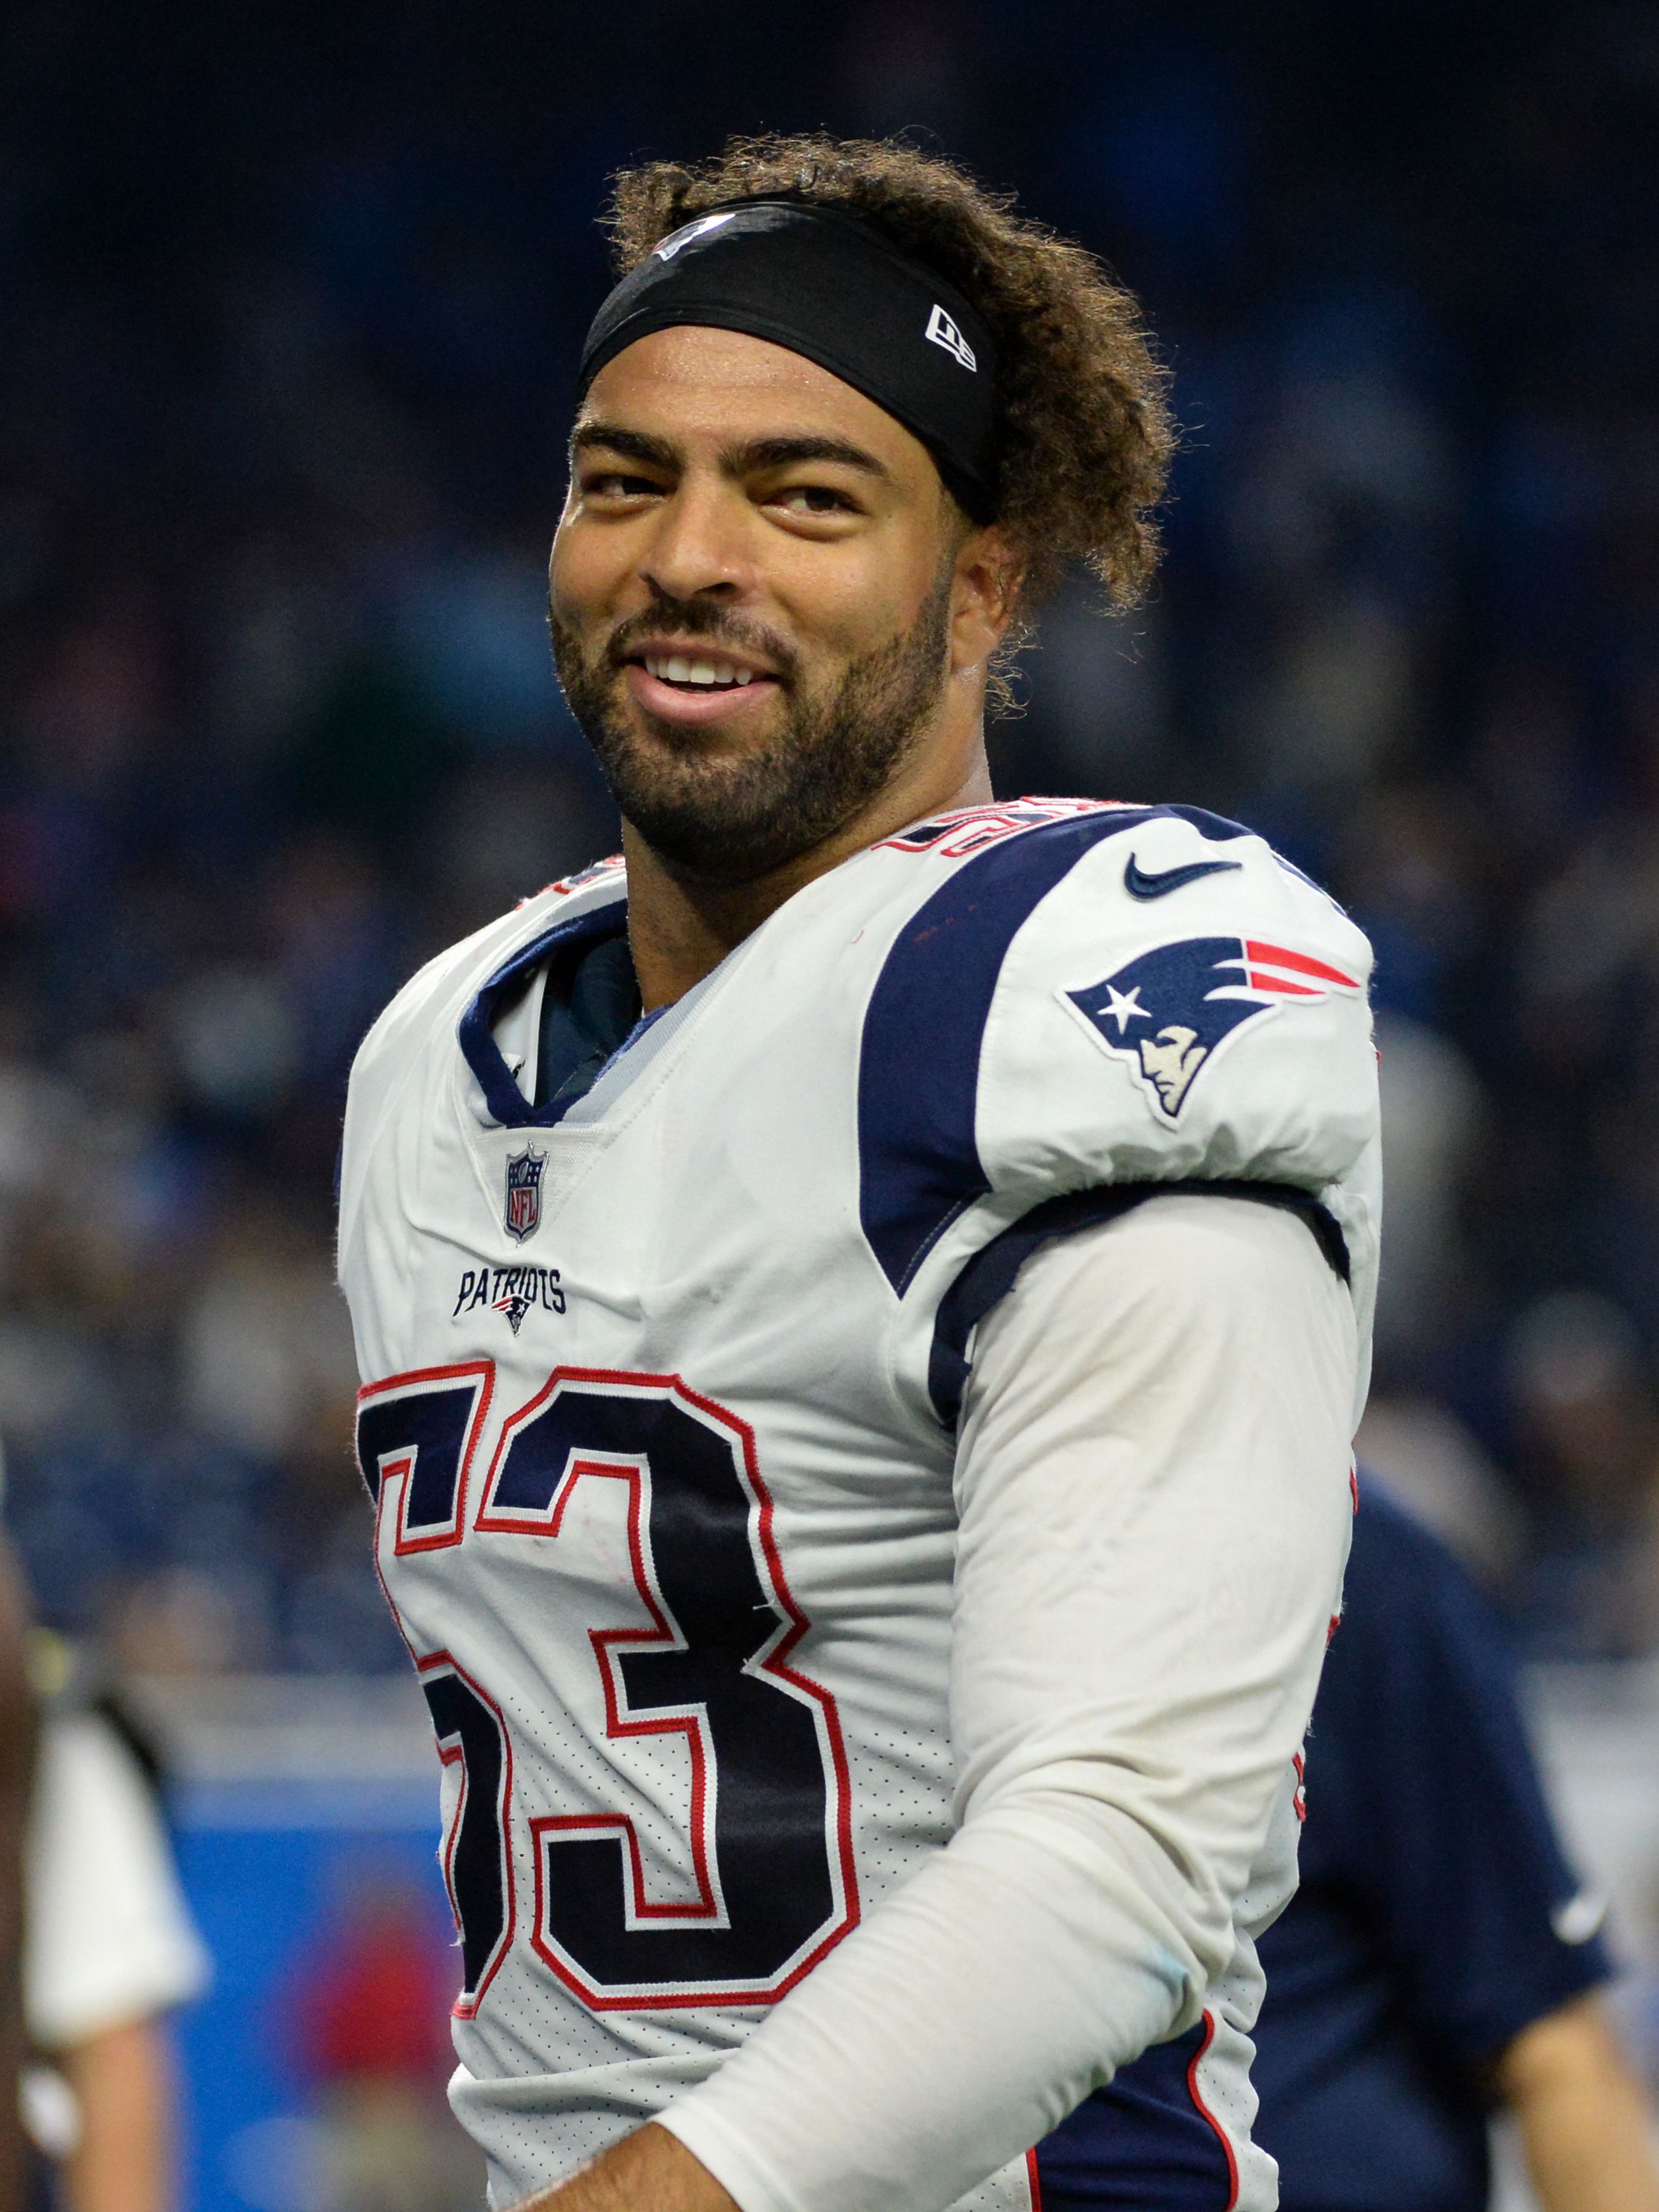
1103,689
1588,1449
1430,1462
266,1336
1439,1959
17,1759
368,2016
183,1622
1432,1114
109,1952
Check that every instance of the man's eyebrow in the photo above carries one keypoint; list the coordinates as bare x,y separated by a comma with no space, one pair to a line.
787,450
634,445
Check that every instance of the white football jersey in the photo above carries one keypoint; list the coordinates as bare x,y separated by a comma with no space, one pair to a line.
660,1385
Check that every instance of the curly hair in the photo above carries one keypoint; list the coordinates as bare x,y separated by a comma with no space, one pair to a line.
1084,430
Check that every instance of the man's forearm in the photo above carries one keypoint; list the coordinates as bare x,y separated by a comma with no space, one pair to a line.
1160,1405
1584,2120
123,2079
650,2171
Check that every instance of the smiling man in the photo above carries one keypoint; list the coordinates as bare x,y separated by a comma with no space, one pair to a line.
863,1301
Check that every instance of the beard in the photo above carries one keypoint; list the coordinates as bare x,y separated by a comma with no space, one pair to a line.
729,821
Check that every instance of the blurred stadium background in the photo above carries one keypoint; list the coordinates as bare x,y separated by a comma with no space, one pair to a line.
289,300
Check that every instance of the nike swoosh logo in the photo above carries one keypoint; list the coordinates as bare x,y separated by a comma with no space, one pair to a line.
1140,885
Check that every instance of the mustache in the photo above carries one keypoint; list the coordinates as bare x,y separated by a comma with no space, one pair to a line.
696,618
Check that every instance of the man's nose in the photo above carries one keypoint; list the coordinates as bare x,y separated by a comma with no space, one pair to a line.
701,546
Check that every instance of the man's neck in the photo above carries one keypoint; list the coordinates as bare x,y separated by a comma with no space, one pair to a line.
680,932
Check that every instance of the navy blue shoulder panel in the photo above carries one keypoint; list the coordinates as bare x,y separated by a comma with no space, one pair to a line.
505,1101
990,1275
919,1163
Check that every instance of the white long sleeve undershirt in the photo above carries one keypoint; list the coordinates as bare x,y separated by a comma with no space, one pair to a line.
1154,1512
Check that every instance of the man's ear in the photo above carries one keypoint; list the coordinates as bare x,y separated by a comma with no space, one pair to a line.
985,595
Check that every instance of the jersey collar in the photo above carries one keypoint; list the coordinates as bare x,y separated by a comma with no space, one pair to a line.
506,1103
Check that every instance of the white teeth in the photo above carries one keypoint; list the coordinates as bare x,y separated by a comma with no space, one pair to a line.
677,669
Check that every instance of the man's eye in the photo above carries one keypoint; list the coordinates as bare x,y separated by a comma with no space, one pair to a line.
814,499
616,483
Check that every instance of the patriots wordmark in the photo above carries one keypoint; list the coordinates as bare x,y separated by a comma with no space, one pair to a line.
1169,1012
511,1291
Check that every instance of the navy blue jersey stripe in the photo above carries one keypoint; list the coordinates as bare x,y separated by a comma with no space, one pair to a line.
919,1163
1142,2144
990,1275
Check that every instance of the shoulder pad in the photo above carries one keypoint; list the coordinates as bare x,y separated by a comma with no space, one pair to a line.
1105,994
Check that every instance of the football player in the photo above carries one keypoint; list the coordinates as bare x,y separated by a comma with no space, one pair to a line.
863,1300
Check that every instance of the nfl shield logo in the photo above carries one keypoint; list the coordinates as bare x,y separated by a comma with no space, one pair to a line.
523,1214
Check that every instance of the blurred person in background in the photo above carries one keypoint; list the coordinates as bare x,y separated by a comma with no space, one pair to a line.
1439,1960
109,1952
19,2172
367,2017
1585,1434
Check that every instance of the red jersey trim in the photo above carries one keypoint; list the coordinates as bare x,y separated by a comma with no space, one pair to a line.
1196,2094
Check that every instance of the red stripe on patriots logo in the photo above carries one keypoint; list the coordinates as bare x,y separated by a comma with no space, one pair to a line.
1299,963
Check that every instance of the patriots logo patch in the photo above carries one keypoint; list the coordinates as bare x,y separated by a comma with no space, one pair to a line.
1169,1012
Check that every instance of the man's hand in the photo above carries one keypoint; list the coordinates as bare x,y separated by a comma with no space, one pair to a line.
649,2171
1584,2120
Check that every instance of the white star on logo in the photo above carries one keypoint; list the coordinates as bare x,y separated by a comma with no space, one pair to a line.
1124,1007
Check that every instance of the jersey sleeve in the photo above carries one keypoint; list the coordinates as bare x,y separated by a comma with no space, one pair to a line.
1152,1485
1445,1836
1117,1000
1217,1029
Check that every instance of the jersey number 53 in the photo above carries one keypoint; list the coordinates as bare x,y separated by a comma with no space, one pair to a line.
767,1827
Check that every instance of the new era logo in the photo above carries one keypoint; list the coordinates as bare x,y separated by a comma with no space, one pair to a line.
687,232
944,333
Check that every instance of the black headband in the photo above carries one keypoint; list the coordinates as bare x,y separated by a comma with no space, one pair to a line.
824,284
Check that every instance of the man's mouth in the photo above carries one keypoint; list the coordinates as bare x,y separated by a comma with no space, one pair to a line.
692,687
695,675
